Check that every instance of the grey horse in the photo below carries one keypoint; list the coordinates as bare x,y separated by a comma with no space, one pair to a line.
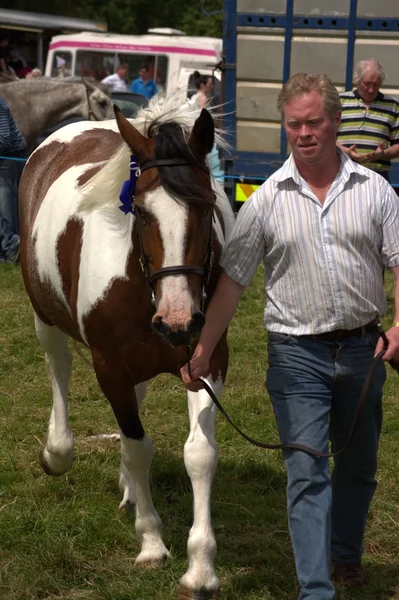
37,105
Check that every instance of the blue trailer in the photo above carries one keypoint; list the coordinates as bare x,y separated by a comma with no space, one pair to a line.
264,42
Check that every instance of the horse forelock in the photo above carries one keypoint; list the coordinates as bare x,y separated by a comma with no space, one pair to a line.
159,116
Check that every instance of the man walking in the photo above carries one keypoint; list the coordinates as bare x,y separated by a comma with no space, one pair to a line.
323,226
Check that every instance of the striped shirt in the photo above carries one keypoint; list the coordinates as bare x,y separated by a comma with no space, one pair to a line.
323,263
11,139
367,127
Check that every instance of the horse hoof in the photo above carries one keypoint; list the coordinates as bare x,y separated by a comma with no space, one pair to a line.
53,472
186,594
152,563
127,506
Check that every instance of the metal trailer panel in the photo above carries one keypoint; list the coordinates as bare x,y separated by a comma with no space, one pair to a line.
328,40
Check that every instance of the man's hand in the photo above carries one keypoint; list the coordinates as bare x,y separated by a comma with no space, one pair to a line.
393,348
378,154
199,365
353,153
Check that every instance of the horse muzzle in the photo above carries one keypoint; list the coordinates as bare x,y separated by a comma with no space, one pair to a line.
178,336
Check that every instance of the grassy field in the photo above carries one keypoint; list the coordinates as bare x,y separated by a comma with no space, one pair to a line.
64,538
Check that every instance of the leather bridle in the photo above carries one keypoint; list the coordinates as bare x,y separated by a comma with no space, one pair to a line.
91,114
203,271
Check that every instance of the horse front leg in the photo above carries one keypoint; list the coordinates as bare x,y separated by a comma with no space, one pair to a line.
136,458
126,483
200,457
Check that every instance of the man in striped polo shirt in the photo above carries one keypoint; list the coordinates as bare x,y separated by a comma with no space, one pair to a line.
369,131
323,226
12,145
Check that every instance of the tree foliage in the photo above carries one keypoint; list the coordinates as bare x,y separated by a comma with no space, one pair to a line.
194,17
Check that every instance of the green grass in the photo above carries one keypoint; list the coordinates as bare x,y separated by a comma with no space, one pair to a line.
65,538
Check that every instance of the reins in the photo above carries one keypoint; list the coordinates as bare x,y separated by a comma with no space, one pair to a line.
294,446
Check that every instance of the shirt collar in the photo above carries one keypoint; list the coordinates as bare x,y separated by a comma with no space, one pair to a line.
289,170
380,96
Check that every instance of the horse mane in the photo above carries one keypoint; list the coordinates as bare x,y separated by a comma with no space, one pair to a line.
169,122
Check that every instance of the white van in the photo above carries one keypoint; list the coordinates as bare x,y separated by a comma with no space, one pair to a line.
171,57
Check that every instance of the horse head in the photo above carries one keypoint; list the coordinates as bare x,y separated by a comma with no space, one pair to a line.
98,102
173,208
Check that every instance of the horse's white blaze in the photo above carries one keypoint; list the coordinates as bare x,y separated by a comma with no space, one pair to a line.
200,458
137,457
176,304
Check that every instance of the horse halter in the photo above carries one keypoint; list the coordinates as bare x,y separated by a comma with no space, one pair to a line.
202,271
90,111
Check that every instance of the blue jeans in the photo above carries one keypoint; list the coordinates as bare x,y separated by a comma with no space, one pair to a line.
315,387
10,172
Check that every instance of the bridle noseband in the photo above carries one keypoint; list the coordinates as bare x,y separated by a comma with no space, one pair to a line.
127,199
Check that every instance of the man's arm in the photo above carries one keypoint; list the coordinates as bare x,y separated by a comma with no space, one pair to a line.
393,333
382,153
5,128
218,316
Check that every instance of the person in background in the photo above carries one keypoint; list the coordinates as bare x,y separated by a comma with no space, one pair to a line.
61,67
369,131
203,99
4,54
117,81
204,86
322,225
17,63
144,85
34,74
12,144
214,164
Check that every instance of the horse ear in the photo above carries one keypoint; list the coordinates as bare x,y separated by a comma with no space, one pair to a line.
133,138
202,135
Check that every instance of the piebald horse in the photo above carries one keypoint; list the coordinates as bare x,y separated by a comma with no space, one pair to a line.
131,288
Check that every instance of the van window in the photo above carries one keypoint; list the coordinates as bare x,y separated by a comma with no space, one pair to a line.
91,63
95,64
158,66
62,64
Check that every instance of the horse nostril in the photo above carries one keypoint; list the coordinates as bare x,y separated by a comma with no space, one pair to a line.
159,325
196,323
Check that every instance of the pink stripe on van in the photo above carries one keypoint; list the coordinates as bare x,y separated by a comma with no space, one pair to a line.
130,47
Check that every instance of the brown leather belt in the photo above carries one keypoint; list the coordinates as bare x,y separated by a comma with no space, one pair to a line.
342,334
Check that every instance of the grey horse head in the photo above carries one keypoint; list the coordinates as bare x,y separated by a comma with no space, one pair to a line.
38,104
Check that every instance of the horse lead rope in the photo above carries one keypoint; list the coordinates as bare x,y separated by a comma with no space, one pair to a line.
307,449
